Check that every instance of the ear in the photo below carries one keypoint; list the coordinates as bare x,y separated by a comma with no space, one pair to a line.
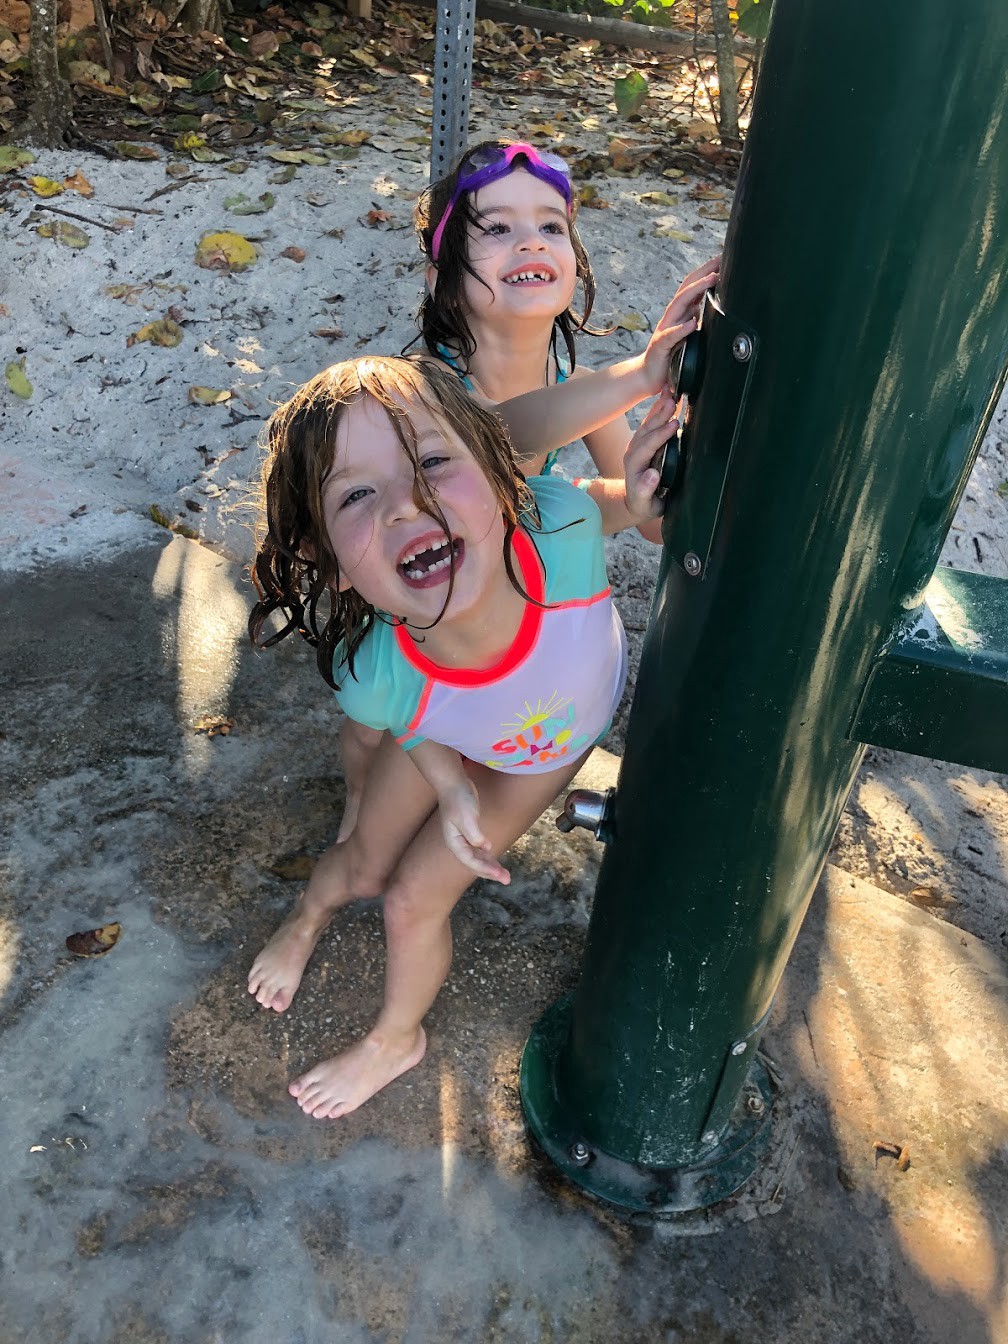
430,278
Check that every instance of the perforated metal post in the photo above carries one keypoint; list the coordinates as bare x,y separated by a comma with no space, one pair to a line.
452,81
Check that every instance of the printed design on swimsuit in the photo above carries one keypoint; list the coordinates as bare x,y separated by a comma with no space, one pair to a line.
545,733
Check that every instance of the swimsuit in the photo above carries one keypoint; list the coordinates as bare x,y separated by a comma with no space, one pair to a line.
550,696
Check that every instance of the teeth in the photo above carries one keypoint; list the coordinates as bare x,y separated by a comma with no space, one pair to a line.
418,572
525,275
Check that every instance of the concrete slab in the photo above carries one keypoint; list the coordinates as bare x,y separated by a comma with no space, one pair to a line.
161,1186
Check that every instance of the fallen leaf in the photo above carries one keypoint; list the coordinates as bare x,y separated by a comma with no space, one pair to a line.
11,158
375,218
355,137
241,204
208,396
293,868
330,333
88,72
294,253
657,198
631,91
588,196
94,942
17,379
214,725
631,322
225,252
79,183
308,156
45,186
129,149
164,331
715,210
664,231
263,43
62,231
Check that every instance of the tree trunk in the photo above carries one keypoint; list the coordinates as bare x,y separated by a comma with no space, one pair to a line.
51,111
728,99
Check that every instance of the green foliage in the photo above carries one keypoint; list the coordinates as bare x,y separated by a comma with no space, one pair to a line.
753,17
630,92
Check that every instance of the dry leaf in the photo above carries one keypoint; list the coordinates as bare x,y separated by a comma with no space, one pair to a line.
45,186
225,252
17,379
208,396
293,868
79,183
62,231
94,942
164,331
214,725
294,253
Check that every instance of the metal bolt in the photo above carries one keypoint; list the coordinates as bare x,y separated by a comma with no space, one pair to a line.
739,1048
741,347
692,564
755,1105
580,1153
709,1137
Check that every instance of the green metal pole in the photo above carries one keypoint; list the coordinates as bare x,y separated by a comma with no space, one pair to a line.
850,364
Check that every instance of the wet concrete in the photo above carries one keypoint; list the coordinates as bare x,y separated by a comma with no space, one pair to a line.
161,1186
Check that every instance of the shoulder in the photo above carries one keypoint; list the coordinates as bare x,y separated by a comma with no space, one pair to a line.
382,690
562,503
570,541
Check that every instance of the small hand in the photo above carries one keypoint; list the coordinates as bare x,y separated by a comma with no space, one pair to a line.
463,836
681,317
644,498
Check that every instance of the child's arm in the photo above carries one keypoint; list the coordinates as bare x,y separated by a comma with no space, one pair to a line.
552,416
458,804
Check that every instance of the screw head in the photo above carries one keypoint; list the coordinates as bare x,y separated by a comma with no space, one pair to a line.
692,564
755,1105
580,1153
709,1137
739,1048
741,347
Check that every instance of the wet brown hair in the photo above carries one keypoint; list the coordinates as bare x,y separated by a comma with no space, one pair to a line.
295,570
442,316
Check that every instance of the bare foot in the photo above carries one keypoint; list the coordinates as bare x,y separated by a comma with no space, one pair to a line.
277,970
338,1086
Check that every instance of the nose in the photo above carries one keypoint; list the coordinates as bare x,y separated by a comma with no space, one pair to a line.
400,506
529,239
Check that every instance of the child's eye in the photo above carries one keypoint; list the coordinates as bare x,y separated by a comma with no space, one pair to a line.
495,229
433,460
354,497
553,227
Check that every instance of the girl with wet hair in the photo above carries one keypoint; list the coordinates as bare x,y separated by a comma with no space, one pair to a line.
462,613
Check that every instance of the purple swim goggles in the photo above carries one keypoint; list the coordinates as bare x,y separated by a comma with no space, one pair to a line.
486,164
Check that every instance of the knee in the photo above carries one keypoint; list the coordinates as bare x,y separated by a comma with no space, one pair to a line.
368,873
407,909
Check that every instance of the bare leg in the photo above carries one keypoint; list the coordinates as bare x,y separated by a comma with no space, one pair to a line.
358,745
397,801
424,890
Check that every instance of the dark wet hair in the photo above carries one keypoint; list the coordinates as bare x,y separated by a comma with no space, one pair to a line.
442,314
295,570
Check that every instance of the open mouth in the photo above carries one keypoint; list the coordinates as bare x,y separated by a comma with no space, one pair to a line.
432,565
532,276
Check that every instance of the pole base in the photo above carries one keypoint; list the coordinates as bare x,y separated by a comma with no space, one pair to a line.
725,1165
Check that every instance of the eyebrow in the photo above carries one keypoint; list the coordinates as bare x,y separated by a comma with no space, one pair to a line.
514,210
